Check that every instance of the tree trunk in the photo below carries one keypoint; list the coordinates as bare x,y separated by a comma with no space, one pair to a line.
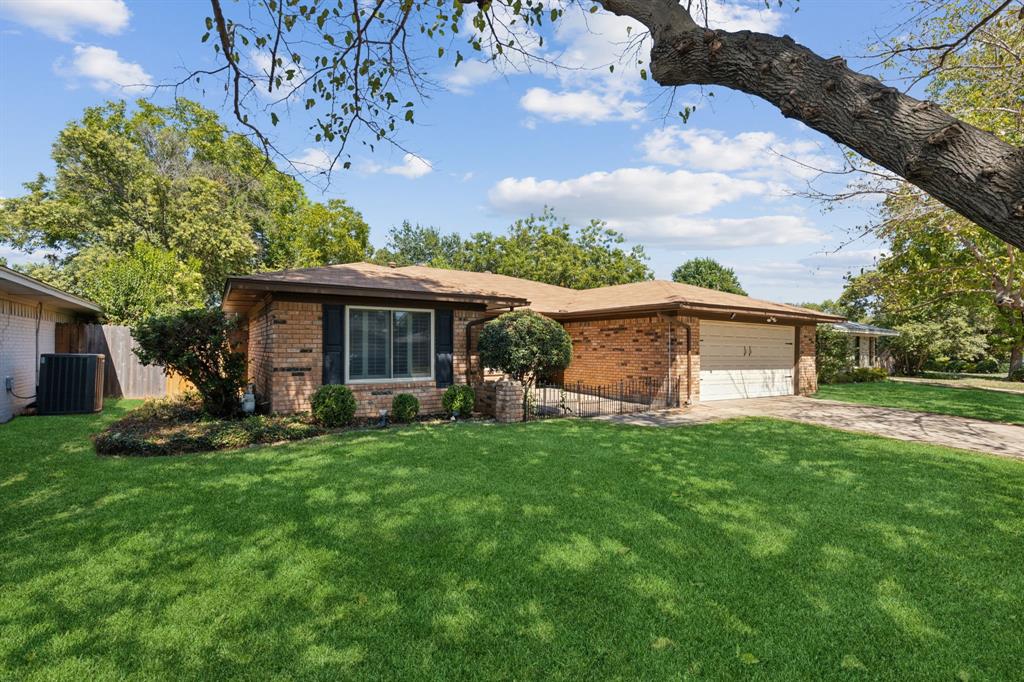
971,171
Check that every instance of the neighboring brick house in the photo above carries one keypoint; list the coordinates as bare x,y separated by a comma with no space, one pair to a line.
386,330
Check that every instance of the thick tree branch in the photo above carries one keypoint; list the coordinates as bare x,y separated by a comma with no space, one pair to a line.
967,169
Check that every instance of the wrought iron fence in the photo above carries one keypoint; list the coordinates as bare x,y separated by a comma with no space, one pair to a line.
578,399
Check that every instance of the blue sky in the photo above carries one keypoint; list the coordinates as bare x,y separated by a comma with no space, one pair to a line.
490,148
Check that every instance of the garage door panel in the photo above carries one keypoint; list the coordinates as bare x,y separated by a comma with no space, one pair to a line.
740,360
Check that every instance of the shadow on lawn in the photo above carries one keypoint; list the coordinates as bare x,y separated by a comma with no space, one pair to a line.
558,549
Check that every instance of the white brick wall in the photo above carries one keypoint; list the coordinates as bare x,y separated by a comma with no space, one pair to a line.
18,351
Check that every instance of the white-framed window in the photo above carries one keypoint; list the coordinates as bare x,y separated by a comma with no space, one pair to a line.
388,344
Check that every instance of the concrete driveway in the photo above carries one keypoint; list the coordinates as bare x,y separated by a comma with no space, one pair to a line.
954,432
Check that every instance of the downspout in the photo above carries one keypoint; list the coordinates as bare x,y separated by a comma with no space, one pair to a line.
689,360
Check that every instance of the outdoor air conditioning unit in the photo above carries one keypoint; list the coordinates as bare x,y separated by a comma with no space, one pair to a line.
70,383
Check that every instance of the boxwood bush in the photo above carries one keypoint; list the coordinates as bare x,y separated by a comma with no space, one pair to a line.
404,407
459,399
334,405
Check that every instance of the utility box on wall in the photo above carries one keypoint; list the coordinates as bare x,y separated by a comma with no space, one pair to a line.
70,383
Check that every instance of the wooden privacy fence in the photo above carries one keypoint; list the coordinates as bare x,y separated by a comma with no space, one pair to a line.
124,375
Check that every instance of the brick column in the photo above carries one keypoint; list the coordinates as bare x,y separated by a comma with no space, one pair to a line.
508,401
806,367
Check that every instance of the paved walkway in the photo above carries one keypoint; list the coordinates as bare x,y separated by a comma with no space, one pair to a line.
955,432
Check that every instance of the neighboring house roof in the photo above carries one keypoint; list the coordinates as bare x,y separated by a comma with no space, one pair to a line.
500,291
15,283
864,329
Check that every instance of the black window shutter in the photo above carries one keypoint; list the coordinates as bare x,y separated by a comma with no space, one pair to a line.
334,344
443,346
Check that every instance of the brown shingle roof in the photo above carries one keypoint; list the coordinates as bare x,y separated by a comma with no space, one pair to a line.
498,291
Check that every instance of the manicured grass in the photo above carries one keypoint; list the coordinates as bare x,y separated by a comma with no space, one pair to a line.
564,549
994,406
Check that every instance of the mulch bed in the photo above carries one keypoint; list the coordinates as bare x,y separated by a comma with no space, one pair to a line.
179,426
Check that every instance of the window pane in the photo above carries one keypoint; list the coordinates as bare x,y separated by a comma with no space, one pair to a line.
368,345
420,352
402,326
410,344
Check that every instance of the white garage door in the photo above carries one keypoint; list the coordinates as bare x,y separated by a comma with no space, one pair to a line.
740,360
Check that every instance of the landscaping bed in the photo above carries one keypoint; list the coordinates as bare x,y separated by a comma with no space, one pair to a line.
179,426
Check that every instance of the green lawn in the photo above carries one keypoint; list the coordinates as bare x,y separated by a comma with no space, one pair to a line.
564,549
995,406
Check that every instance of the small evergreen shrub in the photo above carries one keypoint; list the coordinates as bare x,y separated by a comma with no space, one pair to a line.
334,405
404,407
1017,374
458,399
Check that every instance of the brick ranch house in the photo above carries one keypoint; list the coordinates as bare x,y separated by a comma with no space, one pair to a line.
386,330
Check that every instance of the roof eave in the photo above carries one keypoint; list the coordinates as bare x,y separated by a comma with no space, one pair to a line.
243,283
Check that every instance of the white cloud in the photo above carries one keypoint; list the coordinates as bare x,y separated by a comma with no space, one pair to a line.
412,167
624,192
468,75
313,160
653,205
105,69
758,154
749,15
727,233
61,19
584,106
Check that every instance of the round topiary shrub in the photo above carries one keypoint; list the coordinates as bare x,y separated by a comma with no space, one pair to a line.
404,407
458,399
334,405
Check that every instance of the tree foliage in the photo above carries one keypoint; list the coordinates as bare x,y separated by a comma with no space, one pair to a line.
526,346
174,178
939,267
710,274
542,248
197,344
145,281
833,355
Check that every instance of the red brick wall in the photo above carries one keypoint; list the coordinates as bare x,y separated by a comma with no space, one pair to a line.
806,369
285,344
297,351
606,352
259,351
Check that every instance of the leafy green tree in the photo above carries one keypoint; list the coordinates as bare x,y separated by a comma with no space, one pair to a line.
710,274
542,248
526,346
318,234
197,344
418,245
175,178
146,281
938,265
834,354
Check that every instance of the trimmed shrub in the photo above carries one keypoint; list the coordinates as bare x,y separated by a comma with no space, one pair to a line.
459,399
197,345
1017,374
334,405
404,407
861,375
